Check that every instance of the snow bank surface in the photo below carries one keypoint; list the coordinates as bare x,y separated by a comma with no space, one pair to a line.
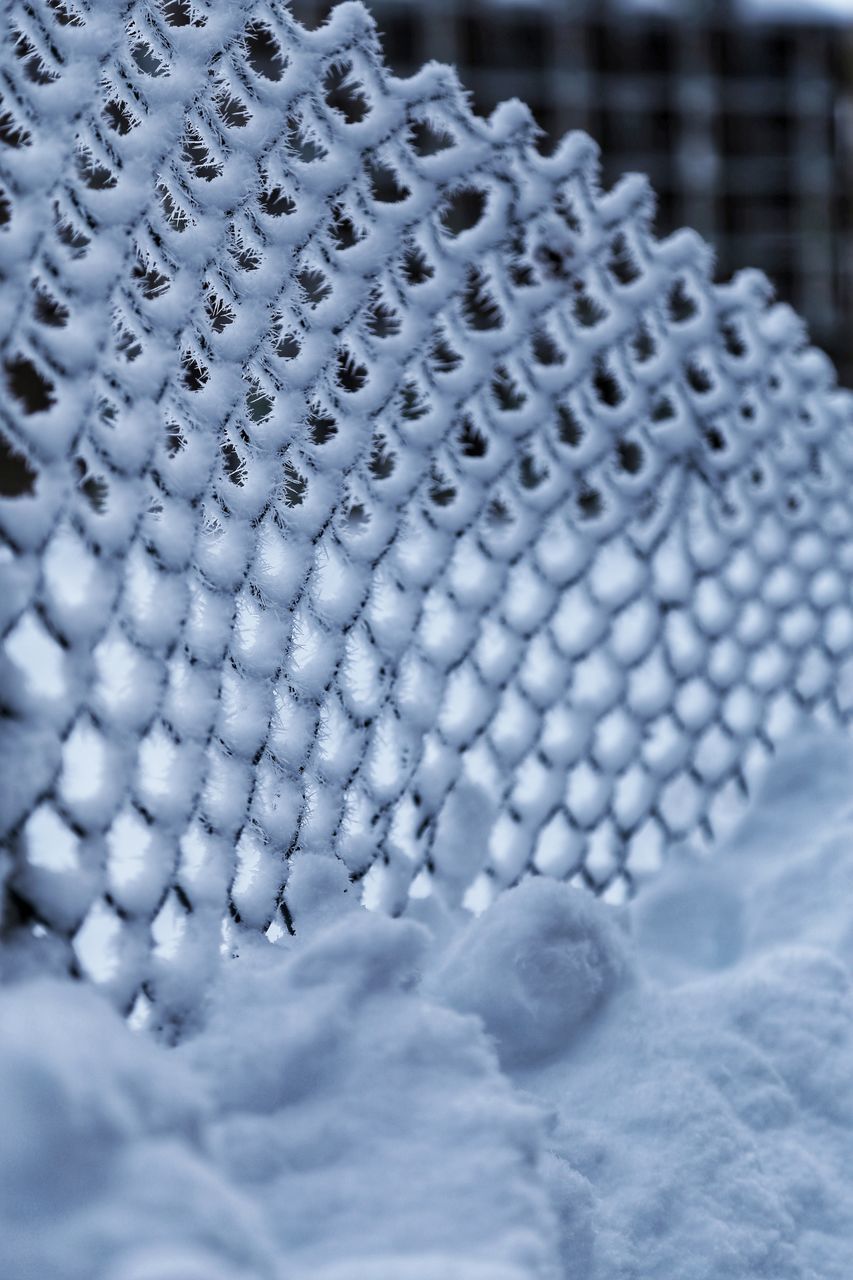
558,1088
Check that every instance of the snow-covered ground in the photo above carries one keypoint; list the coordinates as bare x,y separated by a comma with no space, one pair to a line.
556,1089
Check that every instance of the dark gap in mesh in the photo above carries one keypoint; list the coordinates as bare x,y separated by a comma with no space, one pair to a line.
151,282
472,442
233,112
294,485
416,266
304,145
607,386
383,321
545,350
643,344
442,491
175,440
385,186
567,210
733,340
177,13
569,428
94,488
64,15
276,202
13,134
428,140
382,459
629,457
147,61
352,375
413,405
506,392
531,473
357,517
444,358
245,257
344,232
681,304
259,404
555,264
195,375
17,476
499,512
262,52
590,503
29,387
322,427
218,311
587,310
344,94
49,311
234,467
699,379
481,311
35,67
288,348
118,117
96,176
463,210
315,285
621,262
195,152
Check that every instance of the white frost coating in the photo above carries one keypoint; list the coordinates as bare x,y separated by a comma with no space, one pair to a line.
458,855
368,455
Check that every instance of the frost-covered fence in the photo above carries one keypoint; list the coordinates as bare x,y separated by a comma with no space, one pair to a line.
739,113
371,482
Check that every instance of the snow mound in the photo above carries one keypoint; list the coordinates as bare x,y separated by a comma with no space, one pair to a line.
326,1122
556,1089
534,967
711,1110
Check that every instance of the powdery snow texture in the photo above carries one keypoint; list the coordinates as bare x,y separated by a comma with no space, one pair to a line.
674,1096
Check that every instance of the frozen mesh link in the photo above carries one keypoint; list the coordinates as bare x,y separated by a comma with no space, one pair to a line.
370,475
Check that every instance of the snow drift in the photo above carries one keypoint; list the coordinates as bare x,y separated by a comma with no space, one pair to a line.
556,1089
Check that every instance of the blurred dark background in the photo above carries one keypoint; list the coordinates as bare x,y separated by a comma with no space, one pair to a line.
742,117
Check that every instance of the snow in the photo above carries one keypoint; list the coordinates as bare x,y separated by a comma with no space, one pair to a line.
554,1088
709,1102
326,1121
219,690
534,968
